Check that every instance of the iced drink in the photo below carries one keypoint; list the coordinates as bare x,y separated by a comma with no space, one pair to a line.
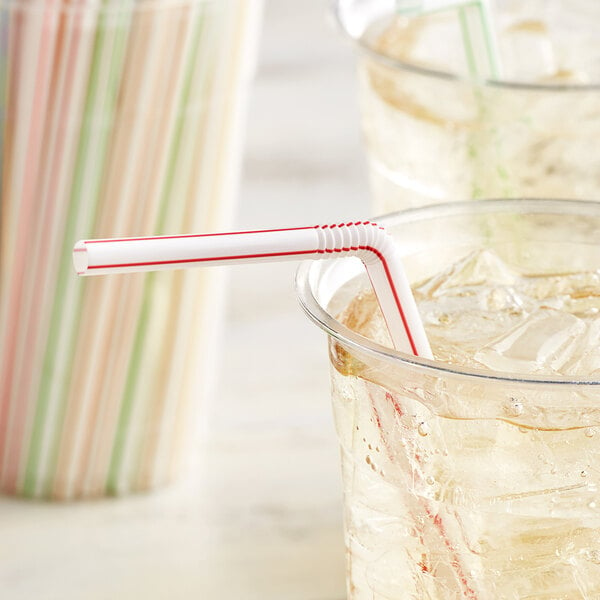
434,134
474,476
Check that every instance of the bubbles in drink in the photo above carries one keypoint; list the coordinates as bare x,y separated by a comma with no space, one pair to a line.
423,429
515,408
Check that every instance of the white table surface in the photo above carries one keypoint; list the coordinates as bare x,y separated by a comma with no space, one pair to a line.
259,518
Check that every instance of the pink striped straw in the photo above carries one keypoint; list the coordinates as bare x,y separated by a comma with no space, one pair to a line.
365,240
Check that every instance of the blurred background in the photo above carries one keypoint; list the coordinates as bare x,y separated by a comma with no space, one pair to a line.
259,516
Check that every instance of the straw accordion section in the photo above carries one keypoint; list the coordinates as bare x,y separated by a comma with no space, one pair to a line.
120,118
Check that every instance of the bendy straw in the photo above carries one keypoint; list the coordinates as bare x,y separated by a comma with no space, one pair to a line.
365,240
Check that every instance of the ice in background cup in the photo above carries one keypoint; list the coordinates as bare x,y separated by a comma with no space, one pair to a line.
433,134
119,118
474,476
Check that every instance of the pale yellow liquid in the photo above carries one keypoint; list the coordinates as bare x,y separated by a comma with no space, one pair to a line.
473,489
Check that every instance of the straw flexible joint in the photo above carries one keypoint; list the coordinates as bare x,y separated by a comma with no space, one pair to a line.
364,239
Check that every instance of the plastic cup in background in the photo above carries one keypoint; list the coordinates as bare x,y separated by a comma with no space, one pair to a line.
463,482
437,128
121,118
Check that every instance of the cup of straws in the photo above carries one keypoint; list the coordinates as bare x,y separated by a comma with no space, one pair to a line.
120,117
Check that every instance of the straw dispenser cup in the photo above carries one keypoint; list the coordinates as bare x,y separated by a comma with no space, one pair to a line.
121,117
477,99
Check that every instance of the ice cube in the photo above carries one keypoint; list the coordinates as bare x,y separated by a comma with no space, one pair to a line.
585,359
364,316
477,268
543,342
577,293
528,53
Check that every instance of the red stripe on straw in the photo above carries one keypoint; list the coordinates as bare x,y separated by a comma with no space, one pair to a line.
468,592
230,233
188,261
388,275
196,235
198,260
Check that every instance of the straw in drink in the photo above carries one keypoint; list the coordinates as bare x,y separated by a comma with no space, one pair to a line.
364,240
497,439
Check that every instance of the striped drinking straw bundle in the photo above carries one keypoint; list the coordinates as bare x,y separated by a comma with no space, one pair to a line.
120,117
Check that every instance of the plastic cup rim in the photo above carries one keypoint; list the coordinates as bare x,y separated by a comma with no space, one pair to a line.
400,65
328,323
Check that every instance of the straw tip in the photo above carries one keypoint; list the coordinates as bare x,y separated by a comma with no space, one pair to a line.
80,258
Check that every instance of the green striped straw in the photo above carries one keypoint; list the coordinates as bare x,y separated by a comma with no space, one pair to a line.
477,30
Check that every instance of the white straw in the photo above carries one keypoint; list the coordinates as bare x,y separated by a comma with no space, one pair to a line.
366,240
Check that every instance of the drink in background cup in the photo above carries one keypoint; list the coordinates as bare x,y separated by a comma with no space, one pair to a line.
433,134
473,476
121,118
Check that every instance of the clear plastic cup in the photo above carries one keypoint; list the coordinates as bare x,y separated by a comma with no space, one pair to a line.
435,131
120,118
462,482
